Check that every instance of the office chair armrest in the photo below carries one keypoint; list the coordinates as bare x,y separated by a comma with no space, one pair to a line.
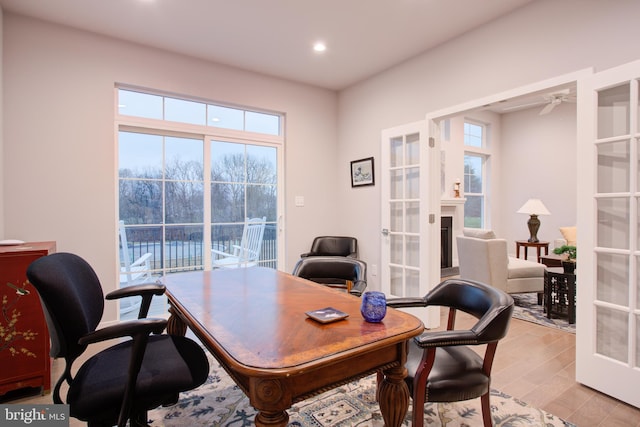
141,289
144,290
446,338
358,287
131,328
406,302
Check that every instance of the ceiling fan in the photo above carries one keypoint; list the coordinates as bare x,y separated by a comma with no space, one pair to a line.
555,99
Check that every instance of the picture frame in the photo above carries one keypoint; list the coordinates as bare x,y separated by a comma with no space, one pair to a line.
362,173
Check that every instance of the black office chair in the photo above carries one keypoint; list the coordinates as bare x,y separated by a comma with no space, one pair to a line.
127,379
442,366
333,246
337,272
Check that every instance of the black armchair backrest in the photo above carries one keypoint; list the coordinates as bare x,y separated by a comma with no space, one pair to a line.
330,269
71,311
334,246
334,271
492,307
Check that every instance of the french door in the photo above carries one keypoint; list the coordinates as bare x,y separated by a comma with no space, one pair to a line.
608,275
407,215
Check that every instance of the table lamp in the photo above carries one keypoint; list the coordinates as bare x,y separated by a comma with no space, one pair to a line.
534,207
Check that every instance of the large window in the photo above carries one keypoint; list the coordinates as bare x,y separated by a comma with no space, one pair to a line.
475,176
190,174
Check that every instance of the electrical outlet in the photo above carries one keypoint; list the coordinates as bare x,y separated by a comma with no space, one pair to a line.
374,269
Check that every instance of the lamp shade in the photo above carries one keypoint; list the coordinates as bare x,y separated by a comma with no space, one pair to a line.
534,207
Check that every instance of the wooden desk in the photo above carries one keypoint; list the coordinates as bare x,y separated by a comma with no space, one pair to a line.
253,321
526,245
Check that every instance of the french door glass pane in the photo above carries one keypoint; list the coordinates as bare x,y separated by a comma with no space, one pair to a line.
613,111
184,202
638,283
227,202
243,185
139,155
396,219
140,201
395,249
413,283
614,164
413,183
412,251
612,330
395,187
395,152
395,279
613,222
637,361
412,149
612,279
183,247
413,217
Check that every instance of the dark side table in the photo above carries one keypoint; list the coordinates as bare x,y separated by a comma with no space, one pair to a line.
560,294
526,245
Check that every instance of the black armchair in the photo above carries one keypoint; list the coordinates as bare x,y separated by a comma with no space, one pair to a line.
337,272
442,366
333,246
125,380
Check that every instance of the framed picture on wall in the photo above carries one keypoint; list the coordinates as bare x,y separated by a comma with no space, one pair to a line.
362,172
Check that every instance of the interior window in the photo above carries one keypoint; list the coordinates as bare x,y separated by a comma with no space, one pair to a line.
475,176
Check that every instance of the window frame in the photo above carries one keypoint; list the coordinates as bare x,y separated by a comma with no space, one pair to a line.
206,133
484,154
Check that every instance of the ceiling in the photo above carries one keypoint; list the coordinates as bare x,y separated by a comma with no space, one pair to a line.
275,37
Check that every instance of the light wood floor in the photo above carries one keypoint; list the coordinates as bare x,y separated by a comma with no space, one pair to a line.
535,364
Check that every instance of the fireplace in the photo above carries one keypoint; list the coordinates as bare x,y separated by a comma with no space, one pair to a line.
446,242
451,221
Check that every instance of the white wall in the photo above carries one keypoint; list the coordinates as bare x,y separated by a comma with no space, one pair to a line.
539,161
545,39
59,166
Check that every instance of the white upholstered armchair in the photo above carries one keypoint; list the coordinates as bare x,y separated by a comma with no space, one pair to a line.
484,258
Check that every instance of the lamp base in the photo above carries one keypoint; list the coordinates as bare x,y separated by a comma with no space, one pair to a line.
534,226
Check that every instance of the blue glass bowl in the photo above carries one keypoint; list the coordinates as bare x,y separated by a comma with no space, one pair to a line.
374,306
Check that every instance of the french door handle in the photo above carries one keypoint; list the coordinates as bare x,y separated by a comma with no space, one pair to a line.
385,231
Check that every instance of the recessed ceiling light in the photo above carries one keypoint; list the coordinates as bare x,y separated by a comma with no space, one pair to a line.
319,47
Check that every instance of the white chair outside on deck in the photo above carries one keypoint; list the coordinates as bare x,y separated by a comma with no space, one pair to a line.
132,272
247,253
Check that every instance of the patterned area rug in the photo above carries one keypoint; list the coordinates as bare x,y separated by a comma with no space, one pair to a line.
219,402
527,308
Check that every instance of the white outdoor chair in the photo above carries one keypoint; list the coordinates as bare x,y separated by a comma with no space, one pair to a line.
138,271
248,252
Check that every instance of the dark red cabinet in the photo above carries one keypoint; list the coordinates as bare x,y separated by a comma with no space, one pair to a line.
24,338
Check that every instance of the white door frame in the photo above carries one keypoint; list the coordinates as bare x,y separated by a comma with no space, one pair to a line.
594,368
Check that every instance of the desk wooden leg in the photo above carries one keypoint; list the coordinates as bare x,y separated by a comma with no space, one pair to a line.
393,396
175,325
272,419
